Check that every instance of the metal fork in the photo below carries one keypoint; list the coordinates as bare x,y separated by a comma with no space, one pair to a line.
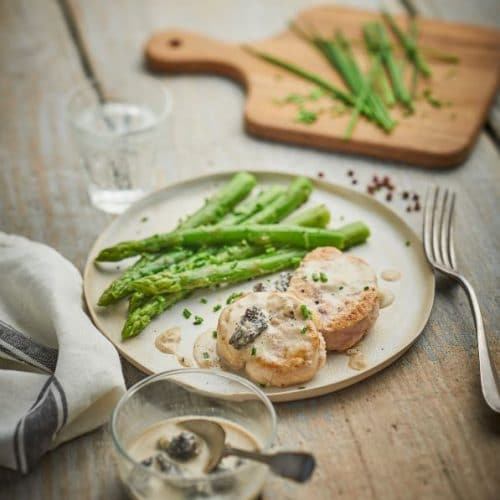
438,246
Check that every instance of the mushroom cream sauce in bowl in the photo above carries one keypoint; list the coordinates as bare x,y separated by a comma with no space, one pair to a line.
158,458
183,336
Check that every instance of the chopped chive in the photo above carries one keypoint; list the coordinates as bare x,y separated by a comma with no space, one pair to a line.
233,297
187,313
407,243
315,277
254,351
144,219
203,300
306,116
262,385
295,98
198,320
214,334
306,313
301,387
341,287
366,288
304,330
433,101
316,94
206,355
323,277
216,308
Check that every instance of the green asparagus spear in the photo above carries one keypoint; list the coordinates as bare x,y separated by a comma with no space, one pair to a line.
138,319
354,234
205,277
148,264
317,216
294,236
223,201
250,207
297,194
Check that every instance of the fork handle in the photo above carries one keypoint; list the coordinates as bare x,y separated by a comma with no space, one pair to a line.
489,377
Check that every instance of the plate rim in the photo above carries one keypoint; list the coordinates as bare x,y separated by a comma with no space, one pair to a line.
286,394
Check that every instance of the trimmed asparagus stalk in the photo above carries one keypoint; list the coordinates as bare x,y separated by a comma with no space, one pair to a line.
295,236
297,194
222,202
317,216
228,272
140,318
248,208
354,234
148,264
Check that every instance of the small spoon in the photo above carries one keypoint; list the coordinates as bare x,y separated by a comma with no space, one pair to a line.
295,465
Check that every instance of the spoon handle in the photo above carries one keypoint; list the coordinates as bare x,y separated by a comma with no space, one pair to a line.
294,465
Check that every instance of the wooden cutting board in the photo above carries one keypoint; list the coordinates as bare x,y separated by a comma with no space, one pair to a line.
431,137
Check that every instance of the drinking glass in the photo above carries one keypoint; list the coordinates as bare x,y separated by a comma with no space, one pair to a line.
117,134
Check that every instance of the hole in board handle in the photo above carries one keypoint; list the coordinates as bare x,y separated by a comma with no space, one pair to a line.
174,42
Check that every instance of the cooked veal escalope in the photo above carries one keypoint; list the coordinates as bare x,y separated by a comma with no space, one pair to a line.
343,290
272,337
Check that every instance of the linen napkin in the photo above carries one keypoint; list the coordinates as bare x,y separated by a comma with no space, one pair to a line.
59,377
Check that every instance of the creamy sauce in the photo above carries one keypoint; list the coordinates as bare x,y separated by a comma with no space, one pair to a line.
344,280
386,297
357,360
205,351
145,446
168,341
390,275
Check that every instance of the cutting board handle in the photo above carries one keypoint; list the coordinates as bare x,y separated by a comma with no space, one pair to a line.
178,51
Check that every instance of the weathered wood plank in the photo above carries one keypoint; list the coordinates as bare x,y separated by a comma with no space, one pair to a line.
43,188
419,428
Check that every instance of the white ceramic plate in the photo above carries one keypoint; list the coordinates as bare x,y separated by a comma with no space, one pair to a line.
393,245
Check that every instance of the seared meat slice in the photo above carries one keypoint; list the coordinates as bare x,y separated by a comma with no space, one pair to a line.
342,289
271,337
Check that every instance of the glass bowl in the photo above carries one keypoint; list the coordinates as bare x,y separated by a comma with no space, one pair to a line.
197,393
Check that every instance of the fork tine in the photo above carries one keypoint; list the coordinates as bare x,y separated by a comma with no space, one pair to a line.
435,226
443,230
451,246
427,226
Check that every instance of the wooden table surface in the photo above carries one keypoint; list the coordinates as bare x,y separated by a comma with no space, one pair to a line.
419,429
